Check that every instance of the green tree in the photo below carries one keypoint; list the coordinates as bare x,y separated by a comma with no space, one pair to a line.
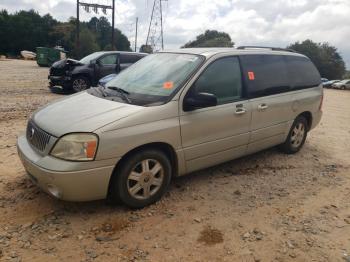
4,32
211,38
146,49
346,75
325,57
103,31
26,30
88,43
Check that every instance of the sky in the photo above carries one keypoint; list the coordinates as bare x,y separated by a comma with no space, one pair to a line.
249,22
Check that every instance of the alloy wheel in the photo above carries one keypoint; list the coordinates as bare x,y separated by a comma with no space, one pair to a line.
145,179
298,134
79,85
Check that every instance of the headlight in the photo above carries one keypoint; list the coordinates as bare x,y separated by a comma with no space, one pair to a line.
76,147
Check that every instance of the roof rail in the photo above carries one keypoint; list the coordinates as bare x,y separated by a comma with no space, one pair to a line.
266,47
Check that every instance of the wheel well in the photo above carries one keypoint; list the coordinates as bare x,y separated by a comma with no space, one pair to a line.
308,118
167,149
82,74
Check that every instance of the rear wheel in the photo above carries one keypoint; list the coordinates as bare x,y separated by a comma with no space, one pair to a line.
142,178
296,137
80,83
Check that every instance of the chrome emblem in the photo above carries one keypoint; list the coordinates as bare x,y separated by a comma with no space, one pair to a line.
31,133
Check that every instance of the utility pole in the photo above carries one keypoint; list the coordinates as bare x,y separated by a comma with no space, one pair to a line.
78,40
155,31
113,11
137,21
150,23
161,23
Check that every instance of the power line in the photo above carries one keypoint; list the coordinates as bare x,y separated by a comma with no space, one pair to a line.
95,7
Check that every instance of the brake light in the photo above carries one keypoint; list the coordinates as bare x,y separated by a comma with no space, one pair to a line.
321,103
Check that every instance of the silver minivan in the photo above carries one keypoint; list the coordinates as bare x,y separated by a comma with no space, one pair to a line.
170,114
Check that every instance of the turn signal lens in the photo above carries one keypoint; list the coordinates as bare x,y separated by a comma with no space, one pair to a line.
76,147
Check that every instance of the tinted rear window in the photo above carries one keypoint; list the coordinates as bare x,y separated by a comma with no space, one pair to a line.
302,72
129,58
265,74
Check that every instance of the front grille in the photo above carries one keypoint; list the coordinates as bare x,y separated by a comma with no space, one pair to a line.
37,137
56,71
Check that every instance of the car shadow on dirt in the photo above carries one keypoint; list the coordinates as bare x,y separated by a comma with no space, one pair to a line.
60,91
269,160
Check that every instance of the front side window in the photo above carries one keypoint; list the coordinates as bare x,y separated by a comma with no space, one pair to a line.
87,59
108,60
221,78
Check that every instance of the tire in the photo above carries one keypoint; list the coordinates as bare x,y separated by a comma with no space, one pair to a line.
134,183
296,137
342,88
80,83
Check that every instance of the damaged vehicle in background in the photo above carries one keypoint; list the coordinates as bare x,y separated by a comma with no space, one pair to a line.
74,75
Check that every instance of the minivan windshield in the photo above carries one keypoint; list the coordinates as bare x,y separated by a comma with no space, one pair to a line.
86,60
153,79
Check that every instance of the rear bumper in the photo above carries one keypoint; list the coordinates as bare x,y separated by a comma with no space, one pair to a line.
78,185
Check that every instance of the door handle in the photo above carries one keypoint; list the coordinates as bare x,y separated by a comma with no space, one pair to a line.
262,106
240,111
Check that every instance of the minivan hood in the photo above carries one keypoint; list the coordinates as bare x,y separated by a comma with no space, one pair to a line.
81,113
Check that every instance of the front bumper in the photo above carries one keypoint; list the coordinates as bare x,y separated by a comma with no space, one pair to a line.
85,183
61,81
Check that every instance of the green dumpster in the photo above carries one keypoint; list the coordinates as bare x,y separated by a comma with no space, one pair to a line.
46,56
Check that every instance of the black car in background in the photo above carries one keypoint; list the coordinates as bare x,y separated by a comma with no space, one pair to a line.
70,74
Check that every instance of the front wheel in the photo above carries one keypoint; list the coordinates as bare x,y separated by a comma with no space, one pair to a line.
142,178
80,83
296,137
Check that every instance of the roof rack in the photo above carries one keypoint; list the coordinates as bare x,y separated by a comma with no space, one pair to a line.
266,47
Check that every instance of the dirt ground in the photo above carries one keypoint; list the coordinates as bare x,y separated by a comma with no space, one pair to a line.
265,207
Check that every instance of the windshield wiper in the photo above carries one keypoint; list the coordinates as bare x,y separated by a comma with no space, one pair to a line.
123,93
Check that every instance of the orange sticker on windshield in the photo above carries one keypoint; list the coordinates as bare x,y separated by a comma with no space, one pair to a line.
168,85
251,75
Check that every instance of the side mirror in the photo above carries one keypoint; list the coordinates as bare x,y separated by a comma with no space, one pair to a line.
95,62
199,100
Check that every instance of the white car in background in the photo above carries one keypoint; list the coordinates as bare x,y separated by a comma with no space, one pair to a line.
344,84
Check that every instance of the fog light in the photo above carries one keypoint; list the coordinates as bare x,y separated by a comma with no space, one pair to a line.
53,190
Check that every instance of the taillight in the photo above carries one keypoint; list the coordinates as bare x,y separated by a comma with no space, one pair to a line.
321,103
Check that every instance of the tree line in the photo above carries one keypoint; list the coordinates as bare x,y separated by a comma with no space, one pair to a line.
326,58
26,30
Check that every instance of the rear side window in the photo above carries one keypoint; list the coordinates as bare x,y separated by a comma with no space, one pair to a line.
302,72
265,74
129,58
